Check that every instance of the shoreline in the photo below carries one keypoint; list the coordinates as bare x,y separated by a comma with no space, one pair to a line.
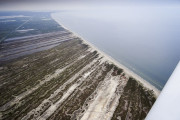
108,58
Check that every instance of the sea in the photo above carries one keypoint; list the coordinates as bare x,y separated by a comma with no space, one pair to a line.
144,39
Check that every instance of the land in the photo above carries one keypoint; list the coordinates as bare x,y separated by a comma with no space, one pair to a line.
58,75
18,24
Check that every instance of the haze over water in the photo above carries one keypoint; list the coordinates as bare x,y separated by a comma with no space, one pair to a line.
145,39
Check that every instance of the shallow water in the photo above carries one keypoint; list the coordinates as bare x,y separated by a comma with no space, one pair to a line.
146,40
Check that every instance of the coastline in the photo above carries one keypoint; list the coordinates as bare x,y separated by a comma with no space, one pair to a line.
108,58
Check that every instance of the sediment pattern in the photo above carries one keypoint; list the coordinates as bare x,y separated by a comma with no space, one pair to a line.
66,81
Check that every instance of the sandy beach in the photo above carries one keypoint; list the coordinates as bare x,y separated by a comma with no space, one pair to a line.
111,60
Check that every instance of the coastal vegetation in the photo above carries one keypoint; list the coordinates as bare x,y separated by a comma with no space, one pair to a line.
66,80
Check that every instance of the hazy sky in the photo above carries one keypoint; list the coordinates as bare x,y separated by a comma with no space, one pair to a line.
46,5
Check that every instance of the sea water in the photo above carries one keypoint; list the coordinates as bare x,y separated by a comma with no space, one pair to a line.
144,39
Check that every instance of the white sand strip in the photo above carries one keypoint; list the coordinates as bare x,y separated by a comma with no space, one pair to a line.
103,101
106,100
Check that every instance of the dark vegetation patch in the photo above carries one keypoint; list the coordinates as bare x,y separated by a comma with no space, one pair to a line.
135,102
